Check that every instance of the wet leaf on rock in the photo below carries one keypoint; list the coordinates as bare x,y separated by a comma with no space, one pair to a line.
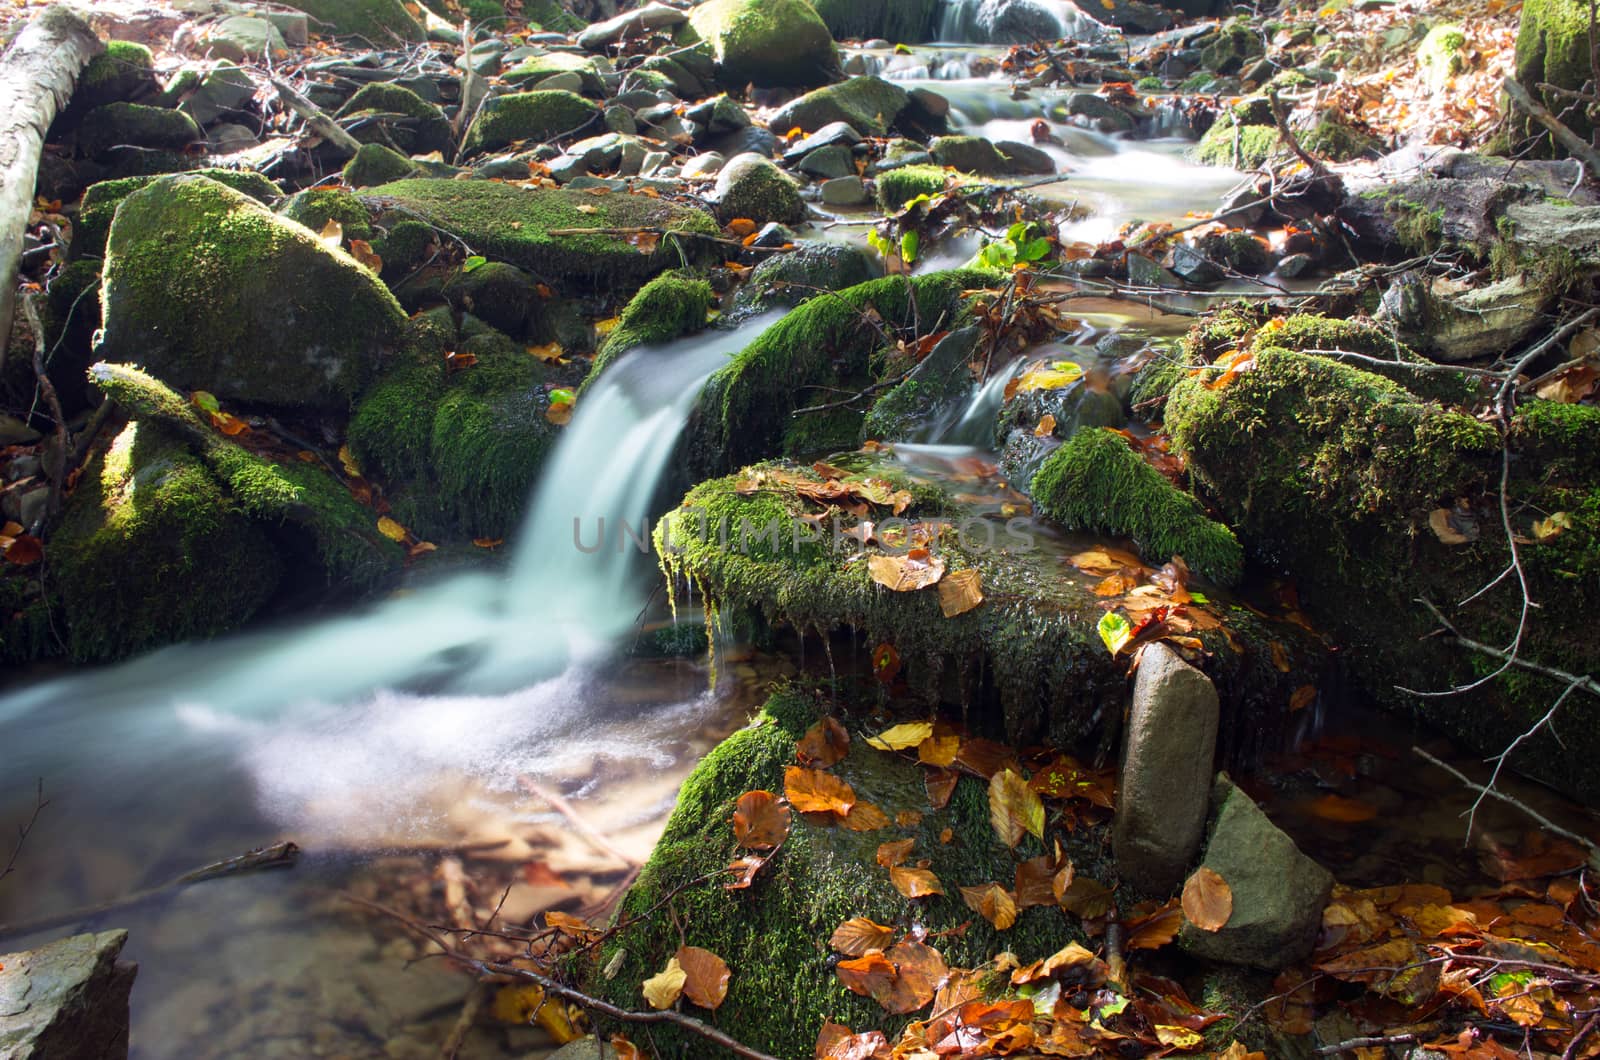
824,744
916,569
858,936
1014,808
813,791
902,736
663,989
992,902
705,976
1207,900
760,821
959,592
915,882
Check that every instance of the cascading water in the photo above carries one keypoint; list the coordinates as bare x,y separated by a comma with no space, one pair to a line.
1016,22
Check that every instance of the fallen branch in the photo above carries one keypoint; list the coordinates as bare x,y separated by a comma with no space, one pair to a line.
39,803
1544,822
37,76
56,465
1352,1044
1576,145
561,990
584,828
477,998
661,233
319,122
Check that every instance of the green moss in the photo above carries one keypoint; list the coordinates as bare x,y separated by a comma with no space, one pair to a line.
896,187
1559,435
391,433
1154,382
420,128
902,21
132,124
1420,229
1440,54
406,247
670,306
765,42
151,551
539,115
381,22
1338,142
745,408
1096,482
123,71
536,68
868,104
1256,143
760,191
550,15
26,627
376,164
100,201
1314,331
512,224
775,933
315,207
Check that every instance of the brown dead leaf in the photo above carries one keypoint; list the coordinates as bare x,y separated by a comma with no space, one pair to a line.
1014,808
705,976
1207,900
915,883
812,791
824,744
916,569
959,592
859,936
760,821
992,902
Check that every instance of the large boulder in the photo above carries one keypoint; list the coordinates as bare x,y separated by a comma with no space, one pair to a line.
397,117
1278,892
67,1000
1166,771
869,105
543,114
1453,320
101,200
211,291
512,224
1019,22
775,43
381,22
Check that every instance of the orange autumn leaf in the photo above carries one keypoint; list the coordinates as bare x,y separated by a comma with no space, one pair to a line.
858,936
741,226
744,873
1154,930
992,902
870,975
1207,900
960,592
705,976
760,821
864,817
1338,808
824,744
895,853
1014,809
813,791
916,569
921,969
915,883
940,785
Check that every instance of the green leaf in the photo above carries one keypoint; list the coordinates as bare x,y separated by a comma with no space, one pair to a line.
909,243
998,255
1019,231
877,242
1115,631
902,49
207,401
473,262
1034,249
917,200
562,397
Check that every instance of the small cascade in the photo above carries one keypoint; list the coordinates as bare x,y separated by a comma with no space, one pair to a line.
1016,22
973,425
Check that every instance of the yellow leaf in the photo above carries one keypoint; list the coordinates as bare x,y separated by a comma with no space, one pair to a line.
1014,808
332,234
1179,1037
1545,529
1058,375
602,328
914,570
550,352
587,208
349,462
902,736
664,988
391,529
959,592
992,902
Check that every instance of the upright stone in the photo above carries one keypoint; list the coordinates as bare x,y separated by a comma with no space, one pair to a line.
67,1000
1166,771
1278,892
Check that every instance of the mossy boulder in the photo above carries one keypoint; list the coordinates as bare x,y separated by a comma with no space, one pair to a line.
536,116
210,290
397,117
536,68
499,294
380,22
869,105
1553,49
513,224
751,186
670,306
151,551
1338,142
1336,474
1234,142
100,203
1096,482
901,21
134,125
374,164
124,72
774,934
315,207
746,410
812,268
770,43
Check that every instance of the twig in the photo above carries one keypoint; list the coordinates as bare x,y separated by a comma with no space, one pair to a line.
1583,1032
1545,822
324,126
1539,349
471,1006
56,468
39,803
585,829
1576,145
1352,1044
561,990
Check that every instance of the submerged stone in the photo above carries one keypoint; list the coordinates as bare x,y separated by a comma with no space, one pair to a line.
212,291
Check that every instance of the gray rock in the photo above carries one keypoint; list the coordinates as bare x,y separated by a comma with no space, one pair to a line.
1025,158
700,166
837,132
1278,892
933,103
749,140
870,105
1294,265
223,89
621,120
1144,272
67,1000
1247,202
1022,22
565,81
829,162
719,115
226,138
1166,771
1194,267
241,38
1099,112
844,191
1455,321
812,267
630,24
585,1049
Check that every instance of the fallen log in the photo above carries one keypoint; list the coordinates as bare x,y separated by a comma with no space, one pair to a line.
37,75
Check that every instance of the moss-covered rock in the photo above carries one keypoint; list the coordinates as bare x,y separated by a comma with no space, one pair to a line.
211,290
1338,142
536,68
315,207
513,224
135,125
1237,146
536,116
970,154
670,306
869,105
381,22
374,164
1235,43
1096,482
1553,49
778,43
100,203
751,186
1333,473
745,410
550,15
499,294
896,187
810,269
397,117
124,72
1441,56
151,550
774,934
901,21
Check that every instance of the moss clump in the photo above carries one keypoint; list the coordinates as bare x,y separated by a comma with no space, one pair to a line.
1338,142
210,290
752,187
122,72
381,22
501,295
775,933
869,105
1314,332
25,621
512,224
1553,48
376,164
540,115
151,551
670,306
1420,229
419,128
896,187
1561,435
1255,144
100,203
315,207
746,408
115,125
776,43
391,433
407,246
1096,482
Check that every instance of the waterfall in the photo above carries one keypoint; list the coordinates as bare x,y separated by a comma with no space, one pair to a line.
1016,22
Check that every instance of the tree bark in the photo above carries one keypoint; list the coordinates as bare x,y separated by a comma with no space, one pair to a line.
37,75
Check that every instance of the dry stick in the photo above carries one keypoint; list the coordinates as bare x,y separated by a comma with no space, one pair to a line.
55,468
585,829
37,76
663,232
1545,822
1352,1044
475,1000
323,125
39,803
561,990
1575,144
1583,1032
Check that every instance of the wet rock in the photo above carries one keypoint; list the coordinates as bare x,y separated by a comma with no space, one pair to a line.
833,134
1166,771
227,138
135,125
1295,265
1453,320
751,186
1278,892
869,105
1134,16
1025,158
1193,267
970,154
646,19
749,140
1023,22
684,83
1144,272
810,269
931,102
1535,230
1235,44
1238,251
67,1000
832,161
933,394
845,191
210,290
1099,112
773,43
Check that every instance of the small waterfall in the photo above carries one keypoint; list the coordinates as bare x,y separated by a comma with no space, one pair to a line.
975,425
1016,22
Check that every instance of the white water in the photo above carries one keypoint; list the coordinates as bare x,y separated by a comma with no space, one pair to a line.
1015,22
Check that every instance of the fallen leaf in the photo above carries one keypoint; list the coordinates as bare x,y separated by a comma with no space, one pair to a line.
916,569
1154,930
940,785
921,969
1551,527
1338,808
1069,958
1014,808
1057,375
885,663
664,988
812,791
992,902
760,821
915,883
705,976
895,852
1046,426
859,936
1084,897
959,592
549,353
362,251
1115,631
1453,527
1207,900
864,817
332,234
391,529
870,975
898,738
824,744
938,750
744,870
1179,1037
1303,697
